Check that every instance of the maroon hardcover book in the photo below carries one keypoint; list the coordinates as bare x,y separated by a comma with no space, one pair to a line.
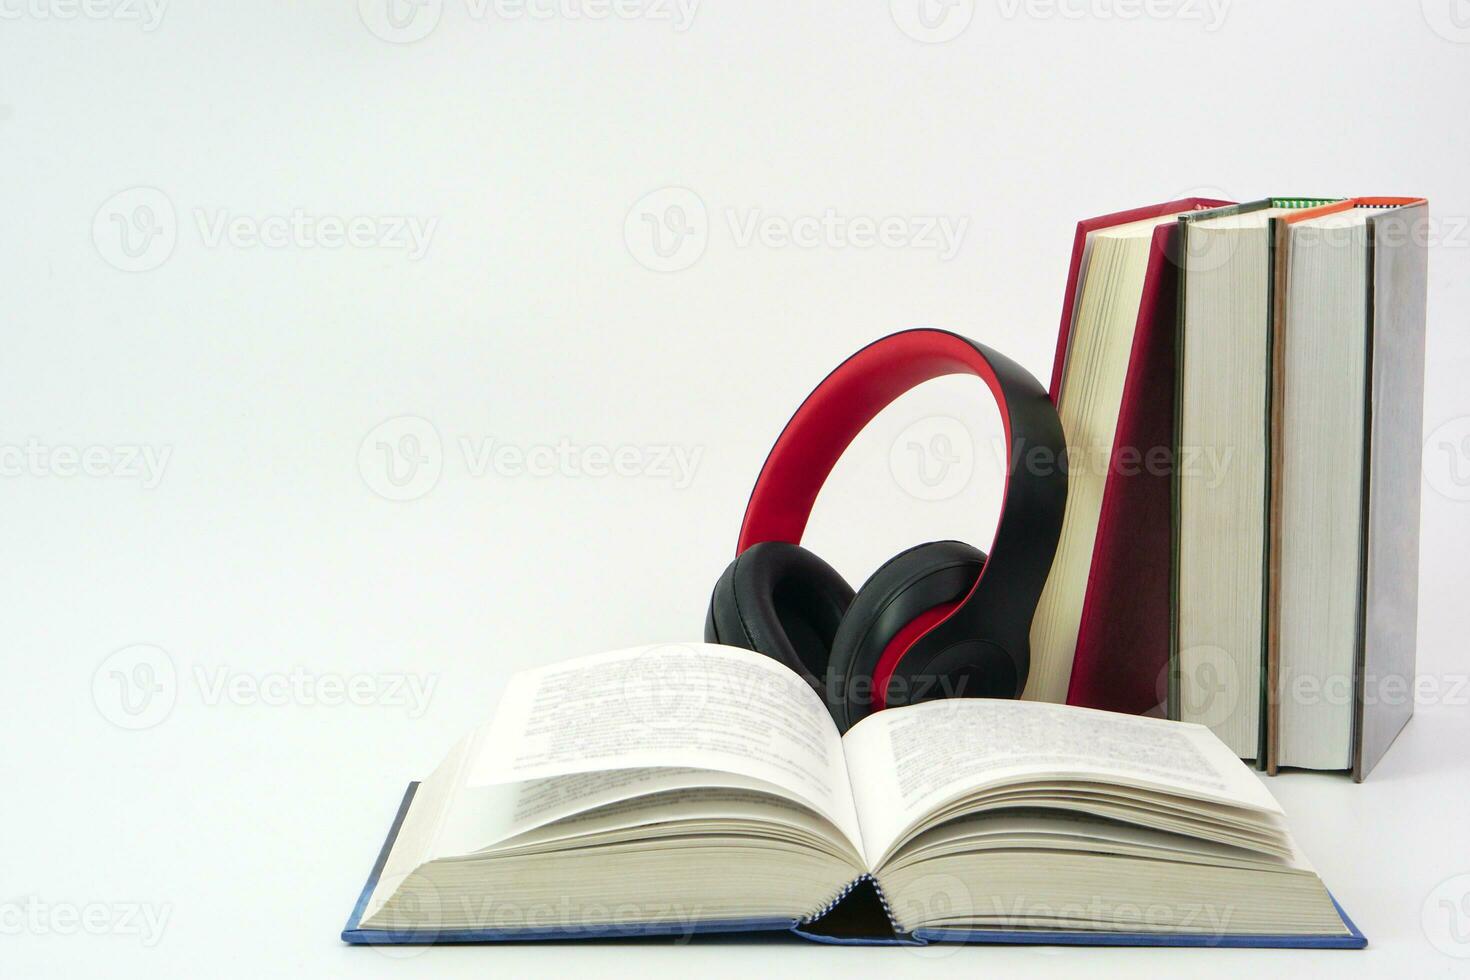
1121,661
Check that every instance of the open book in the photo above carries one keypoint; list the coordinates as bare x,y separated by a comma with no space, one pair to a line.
687,788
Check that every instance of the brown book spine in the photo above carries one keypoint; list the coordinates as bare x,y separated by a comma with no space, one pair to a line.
1271,720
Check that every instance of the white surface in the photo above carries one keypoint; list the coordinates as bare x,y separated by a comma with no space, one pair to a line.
249,817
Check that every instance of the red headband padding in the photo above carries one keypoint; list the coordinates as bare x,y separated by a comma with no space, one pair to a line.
832,416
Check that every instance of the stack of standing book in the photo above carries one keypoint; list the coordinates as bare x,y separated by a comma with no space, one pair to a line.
1241,388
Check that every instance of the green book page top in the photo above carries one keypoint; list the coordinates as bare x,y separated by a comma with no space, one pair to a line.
1302,202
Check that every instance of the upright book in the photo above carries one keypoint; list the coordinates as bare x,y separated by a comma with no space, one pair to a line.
682,789
1100,637
1222,482
1348,320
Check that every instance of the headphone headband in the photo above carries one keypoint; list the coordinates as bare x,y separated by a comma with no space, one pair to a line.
998,608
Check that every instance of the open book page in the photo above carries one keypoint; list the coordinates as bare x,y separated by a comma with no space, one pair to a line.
423,824
484,817
907,763
682,706
1062,830
679,814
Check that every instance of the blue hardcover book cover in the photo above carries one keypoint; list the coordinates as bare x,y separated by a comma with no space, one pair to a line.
858,917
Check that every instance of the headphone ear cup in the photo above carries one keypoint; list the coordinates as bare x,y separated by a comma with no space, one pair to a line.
783,601
909,584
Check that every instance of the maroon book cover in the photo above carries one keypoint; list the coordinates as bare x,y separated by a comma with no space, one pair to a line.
1122,656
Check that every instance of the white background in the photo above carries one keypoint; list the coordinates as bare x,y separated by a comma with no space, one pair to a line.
245,816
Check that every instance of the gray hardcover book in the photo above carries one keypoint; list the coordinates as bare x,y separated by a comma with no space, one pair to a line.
1395,436
1347,384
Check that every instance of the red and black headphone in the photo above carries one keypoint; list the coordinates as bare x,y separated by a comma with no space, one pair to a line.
938,620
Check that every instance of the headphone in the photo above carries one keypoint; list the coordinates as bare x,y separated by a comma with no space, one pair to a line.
938,620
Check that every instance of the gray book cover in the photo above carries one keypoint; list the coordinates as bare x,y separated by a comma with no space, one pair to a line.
1397,285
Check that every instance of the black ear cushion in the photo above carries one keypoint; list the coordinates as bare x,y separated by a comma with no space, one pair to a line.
909,583
783,601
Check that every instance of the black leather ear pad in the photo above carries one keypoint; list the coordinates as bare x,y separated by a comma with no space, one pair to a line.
783,601
909,583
